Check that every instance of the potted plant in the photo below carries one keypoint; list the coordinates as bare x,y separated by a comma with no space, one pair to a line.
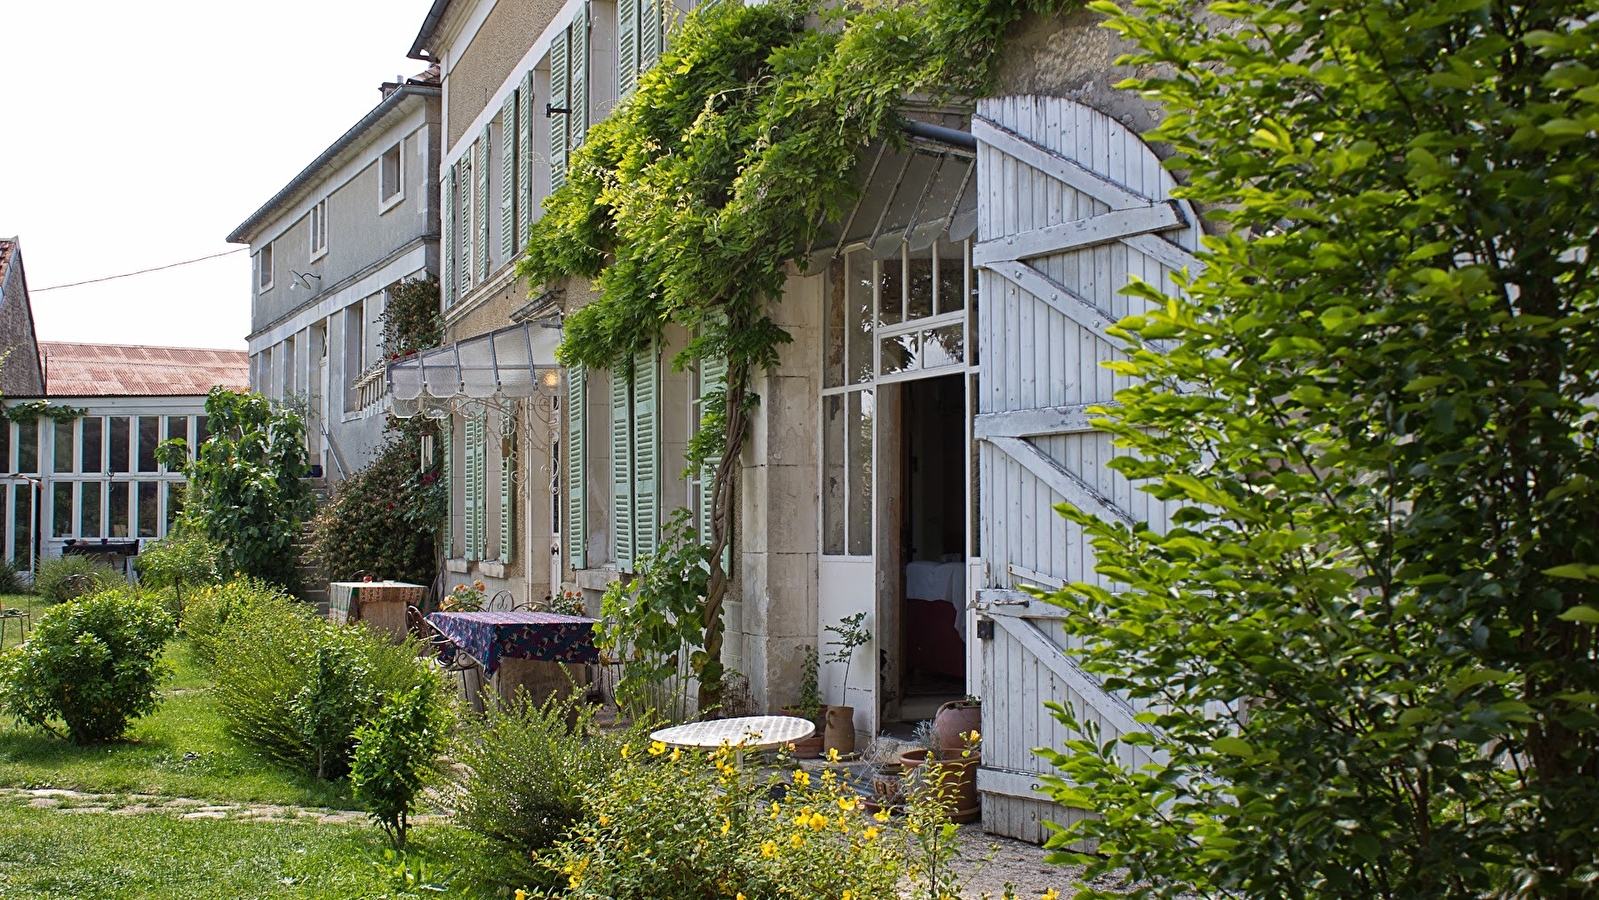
950,771
883,775
809,707
953,719
852,634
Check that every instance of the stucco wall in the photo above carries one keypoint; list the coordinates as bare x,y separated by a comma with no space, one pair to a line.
478,69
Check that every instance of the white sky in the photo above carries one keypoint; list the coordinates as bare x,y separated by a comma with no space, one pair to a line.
134,135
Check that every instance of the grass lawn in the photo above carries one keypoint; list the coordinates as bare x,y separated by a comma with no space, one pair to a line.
179,750
90,856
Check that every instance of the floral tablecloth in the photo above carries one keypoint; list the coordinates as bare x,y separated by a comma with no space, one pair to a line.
492,636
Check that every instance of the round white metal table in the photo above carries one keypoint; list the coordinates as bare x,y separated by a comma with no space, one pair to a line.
741,733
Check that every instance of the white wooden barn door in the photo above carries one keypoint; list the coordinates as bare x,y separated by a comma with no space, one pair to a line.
1071,205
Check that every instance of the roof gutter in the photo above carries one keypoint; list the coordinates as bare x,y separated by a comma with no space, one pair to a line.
939,134
389,104
419,47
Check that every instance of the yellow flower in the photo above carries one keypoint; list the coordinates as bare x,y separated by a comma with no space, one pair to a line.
776,810
832,754
727,825
817,822
848,804
802,778
795,839
1050,894
604,819
848,895
624,751
521,894
881,815
829,776
740,896
769,849
677,754
870,833
657,748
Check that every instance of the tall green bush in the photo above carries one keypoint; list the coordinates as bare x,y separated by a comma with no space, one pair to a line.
384,519
180,563
1367,639
246,489
396,754
207,611
91,665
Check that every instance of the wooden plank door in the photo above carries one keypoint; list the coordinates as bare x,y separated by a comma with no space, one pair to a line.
1071,205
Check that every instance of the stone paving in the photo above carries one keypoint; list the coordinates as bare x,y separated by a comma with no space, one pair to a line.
79,802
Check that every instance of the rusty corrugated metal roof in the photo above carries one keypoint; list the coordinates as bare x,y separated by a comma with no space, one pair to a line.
123,370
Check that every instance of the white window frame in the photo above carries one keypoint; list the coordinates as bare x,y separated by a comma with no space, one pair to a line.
263,268
319,229
387,203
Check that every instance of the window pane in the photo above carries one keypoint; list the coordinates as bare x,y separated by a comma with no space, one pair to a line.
28,447
951,286
92,442
175,494
833,362
178,427
63,447
899,353
149,437
119,509
891,291
89,511
119,447
5,446
943,346
149,514
859,441
833,474
61,512
22,525
919,286
858,326
201,429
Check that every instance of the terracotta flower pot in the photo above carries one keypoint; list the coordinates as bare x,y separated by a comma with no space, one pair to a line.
953,719
840,732
956,777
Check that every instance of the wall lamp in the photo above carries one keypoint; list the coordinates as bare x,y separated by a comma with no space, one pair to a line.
303,278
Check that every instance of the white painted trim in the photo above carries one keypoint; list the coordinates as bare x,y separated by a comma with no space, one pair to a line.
1072,487
414,261
399,196
1112,709
1058,297
1028,422
1010,784
1078,233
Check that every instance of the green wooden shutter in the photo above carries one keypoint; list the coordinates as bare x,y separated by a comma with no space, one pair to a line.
525,213
626,46
713,379
646,451
508,138
622,468
651,21
448,261
507,483
466,255
579,79
482,204
473,484
577,448
560,98
447,435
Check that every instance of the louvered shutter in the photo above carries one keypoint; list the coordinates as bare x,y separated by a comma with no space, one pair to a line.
627,27
560,98
622,468
448,262
525,213
482,204
646,451
471,485
713,379
507,483
650,24
447,435
466,255
508,139
577,448
578,80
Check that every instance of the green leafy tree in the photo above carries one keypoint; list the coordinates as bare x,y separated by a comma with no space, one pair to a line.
246,489
384,519
1367,641
396,753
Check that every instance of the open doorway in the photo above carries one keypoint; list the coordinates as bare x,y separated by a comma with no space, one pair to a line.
932,520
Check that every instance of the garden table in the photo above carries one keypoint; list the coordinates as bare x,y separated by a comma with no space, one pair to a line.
741,733
540,652
380,604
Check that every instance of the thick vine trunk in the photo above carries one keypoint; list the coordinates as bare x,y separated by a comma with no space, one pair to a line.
738,373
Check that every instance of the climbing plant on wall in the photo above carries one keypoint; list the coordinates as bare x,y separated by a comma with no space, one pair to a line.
688,204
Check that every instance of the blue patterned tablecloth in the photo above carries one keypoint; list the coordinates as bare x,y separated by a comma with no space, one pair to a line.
492,636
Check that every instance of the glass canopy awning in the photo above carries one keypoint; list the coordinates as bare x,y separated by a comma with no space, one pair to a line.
509,362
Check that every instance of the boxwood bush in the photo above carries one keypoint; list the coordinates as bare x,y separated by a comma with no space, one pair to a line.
91,665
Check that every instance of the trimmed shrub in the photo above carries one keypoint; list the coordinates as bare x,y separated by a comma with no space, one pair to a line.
69,577
526,769
280,671
179,564
395,755
91,664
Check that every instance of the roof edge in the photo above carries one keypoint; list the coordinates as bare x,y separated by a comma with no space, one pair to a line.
388,104
430,24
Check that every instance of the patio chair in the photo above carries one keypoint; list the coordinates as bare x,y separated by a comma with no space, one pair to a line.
23,618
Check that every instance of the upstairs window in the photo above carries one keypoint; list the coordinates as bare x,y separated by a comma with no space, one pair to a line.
263,268
390,185
319,229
